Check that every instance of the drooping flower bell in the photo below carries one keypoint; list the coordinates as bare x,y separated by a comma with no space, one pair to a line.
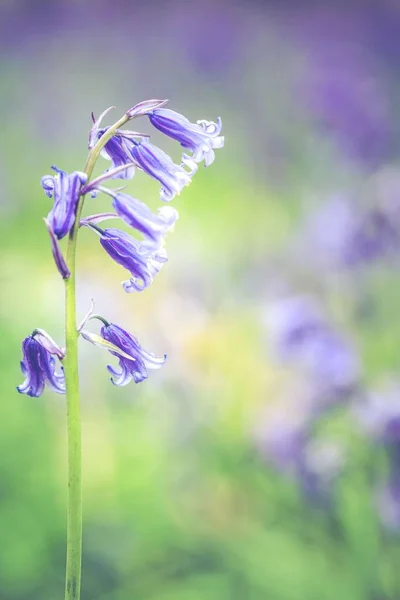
201,137
135,369
142,262
65,188
156,163
134,361
39,365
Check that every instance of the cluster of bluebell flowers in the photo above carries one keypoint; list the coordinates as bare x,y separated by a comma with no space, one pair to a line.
141,258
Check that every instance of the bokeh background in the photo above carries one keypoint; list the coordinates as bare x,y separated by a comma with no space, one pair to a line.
263,460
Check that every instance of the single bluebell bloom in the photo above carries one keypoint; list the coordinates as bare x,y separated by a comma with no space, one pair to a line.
65,187
156,163
141,361
38,366
201,137
138,215
142,262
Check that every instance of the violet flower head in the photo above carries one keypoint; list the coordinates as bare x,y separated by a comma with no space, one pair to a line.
142,262
65,188
137,368
201,138
39,368
156,163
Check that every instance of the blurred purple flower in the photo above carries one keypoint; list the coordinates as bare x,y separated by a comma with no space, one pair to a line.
291,321
300,335
344,86
342,235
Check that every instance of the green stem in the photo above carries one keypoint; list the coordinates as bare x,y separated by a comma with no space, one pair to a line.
74,510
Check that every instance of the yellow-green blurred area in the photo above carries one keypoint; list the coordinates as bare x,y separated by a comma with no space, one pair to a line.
182,501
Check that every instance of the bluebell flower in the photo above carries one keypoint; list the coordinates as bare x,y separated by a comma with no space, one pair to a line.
156,163
142,262
66,189
136,214
201,137
38,366
142,360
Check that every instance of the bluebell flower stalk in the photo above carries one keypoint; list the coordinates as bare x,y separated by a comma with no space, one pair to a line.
143,258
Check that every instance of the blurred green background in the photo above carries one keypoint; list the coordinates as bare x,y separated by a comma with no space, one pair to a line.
183,499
